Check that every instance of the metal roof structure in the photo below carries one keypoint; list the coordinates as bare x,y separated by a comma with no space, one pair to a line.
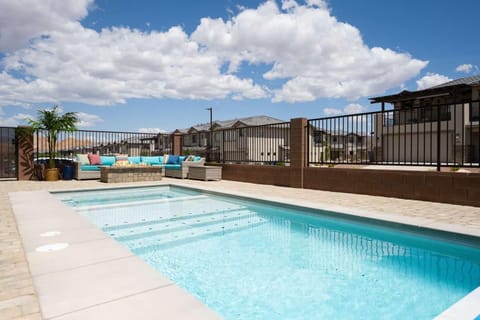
450,88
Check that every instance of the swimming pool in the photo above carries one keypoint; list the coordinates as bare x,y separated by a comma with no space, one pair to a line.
256,260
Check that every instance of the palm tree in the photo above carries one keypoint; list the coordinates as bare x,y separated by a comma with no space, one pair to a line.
51,121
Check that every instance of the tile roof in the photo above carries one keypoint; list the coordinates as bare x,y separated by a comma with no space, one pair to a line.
248,121
467,80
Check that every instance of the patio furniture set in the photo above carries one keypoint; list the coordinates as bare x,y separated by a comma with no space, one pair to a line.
124,168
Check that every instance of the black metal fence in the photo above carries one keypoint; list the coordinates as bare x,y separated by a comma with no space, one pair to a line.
8,153
265,144
195,143
69,144
436,135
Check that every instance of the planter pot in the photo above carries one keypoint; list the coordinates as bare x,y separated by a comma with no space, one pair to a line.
51,174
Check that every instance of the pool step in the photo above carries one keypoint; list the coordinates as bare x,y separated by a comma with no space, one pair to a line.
137,202
179,225
162,219
192,234
91,199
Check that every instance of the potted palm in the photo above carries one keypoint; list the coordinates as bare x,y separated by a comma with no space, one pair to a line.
51,121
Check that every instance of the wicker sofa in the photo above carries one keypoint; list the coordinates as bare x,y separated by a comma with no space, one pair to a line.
182,171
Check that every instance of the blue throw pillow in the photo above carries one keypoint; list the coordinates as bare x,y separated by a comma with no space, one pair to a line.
173,159
197,158
181,158
151,160
134,160
107,160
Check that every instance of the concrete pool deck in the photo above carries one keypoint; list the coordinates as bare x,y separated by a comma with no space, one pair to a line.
47,287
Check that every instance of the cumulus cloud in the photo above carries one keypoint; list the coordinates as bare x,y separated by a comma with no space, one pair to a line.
332,111
88,120
466,68
152,130
22,20
351,108
430,80
354,108
305,45
117,64
13,121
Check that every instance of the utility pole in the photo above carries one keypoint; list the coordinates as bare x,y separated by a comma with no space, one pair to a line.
210,139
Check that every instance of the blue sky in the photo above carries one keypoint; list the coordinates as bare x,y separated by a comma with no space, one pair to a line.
156,65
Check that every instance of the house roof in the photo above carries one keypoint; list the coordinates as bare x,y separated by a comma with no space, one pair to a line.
473,80
448,88
225,124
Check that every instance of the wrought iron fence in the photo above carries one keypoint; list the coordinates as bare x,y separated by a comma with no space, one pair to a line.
265,144
195,143
436,135
69,144
8,153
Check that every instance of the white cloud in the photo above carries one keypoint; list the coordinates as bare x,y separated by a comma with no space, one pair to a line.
118,64
466,68
88,119
152,130
332,111
354,108
304,45
22,20
13,121
430,80
351,108
317,55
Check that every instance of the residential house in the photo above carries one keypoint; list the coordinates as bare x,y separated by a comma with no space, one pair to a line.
438,123
250,139
338,146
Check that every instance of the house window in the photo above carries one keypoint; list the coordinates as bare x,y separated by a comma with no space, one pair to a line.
475,111
318,137
194,138
241,132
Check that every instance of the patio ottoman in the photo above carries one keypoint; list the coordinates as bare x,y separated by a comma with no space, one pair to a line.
205,173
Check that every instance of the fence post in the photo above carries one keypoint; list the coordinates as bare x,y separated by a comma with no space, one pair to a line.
177,143
297,151
24,154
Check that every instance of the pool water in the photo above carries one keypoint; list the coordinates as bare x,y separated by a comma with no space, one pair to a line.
255,260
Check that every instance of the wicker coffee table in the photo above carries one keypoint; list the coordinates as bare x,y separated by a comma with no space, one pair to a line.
130,174
205,173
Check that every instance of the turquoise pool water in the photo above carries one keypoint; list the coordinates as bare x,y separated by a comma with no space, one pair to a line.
255,260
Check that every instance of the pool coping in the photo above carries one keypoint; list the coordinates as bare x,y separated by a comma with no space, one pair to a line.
463,309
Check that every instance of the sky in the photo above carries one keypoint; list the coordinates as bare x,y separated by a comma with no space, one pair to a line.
155,66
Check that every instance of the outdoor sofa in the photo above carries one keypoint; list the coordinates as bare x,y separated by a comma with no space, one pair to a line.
181,171
85,168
